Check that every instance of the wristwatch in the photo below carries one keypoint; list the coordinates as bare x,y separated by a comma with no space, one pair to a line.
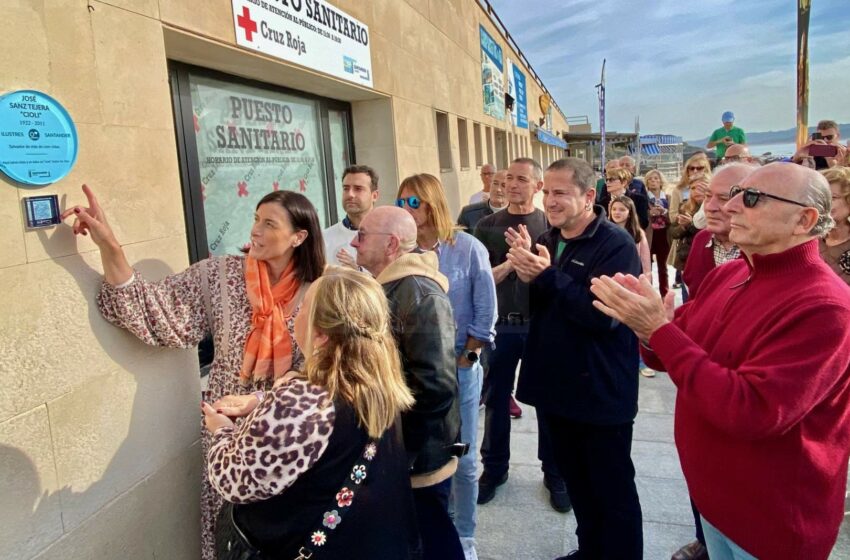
471,356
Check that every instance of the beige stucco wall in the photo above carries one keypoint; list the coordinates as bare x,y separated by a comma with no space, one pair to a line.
99,455
97,431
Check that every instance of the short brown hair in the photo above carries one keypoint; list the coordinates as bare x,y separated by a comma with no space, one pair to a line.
620,173
536,169
824,125
365,169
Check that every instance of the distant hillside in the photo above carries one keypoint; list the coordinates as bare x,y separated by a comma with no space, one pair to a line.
775,136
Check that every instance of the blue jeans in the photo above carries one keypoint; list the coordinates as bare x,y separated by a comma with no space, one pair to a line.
464,481
721,547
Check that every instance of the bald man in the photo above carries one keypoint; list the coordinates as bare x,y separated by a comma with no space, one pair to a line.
487,173
636,185
761,360
738,153
424,329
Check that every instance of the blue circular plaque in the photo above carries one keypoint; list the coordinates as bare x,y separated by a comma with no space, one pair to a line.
38,139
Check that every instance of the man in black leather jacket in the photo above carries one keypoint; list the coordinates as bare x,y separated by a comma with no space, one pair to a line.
424,328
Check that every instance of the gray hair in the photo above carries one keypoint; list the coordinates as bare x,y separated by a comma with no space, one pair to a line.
819,197
536,169
583,175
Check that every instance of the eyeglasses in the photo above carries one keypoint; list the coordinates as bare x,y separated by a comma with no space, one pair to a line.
732,158
412,201
361,234
696,168
827,137
751,196
611,179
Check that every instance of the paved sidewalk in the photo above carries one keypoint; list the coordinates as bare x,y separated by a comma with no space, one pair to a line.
520,524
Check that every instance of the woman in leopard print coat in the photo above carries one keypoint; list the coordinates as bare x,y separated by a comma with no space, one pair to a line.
319,461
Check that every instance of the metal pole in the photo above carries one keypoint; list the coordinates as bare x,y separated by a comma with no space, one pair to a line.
639,147
803,8
600,88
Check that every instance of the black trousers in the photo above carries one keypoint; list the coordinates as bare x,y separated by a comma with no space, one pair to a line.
596,464
439,540
498,384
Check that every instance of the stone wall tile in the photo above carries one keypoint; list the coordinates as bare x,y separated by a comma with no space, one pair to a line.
30,518
109,433
131,69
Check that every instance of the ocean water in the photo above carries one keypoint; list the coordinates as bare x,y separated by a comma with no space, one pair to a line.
780,149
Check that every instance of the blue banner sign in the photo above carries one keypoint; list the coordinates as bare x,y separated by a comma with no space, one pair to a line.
551,139
520,105
38,139
492,79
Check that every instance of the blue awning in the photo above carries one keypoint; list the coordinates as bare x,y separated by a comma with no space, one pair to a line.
551,139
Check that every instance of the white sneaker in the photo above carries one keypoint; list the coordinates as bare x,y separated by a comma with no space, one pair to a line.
468,544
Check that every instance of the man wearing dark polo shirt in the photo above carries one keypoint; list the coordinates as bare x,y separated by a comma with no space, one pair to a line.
523,180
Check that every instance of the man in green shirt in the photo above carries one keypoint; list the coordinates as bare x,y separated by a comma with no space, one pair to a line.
726,135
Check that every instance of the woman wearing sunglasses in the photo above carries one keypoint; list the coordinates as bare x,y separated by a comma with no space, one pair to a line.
472,292
697,175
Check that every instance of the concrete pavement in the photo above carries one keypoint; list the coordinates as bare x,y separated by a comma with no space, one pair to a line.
520,524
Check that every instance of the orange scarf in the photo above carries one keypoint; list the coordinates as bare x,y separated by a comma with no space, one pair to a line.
268,349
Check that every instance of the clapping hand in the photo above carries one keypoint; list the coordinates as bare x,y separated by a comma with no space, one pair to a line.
519,238
527,265
346,259
633,302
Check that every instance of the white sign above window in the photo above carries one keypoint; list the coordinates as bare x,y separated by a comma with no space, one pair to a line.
311,33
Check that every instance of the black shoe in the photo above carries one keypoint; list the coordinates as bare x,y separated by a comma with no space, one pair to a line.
558,496
574,555
487,486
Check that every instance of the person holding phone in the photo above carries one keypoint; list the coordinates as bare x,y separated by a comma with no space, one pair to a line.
824,150
725,136
697,176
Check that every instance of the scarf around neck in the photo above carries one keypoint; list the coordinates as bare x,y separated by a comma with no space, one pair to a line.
268,349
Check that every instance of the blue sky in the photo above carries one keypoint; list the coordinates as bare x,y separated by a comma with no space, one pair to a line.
679,64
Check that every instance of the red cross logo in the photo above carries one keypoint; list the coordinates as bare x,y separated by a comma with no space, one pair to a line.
245,22
243,188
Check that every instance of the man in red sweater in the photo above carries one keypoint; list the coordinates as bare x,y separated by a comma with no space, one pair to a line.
761,359
712,247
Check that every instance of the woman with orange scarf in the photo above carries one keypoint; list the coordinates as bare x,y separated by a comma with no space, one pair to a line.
247,303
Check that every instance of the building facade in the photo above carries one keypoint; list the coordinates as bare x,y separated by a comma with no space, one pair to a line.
187,113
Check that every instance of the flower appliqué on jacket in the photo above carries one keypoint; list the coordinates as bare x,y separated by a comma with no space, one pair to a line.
344,497
844,262
358,474
319,538
370,452
331,519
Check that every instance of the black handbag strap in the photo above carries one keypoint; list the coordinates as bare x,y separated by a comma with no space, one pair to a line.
344,500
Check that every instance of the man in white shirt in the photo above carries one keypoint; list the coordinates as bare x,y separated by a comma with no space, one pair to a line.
359,194
487,173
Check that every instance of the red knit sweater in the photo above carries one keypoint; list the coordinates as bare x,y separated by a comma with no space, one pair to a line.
700,262
761,359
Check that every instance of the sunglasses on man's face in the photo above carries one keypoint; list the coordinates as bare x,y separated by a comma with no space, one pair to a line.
751,196
412,201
